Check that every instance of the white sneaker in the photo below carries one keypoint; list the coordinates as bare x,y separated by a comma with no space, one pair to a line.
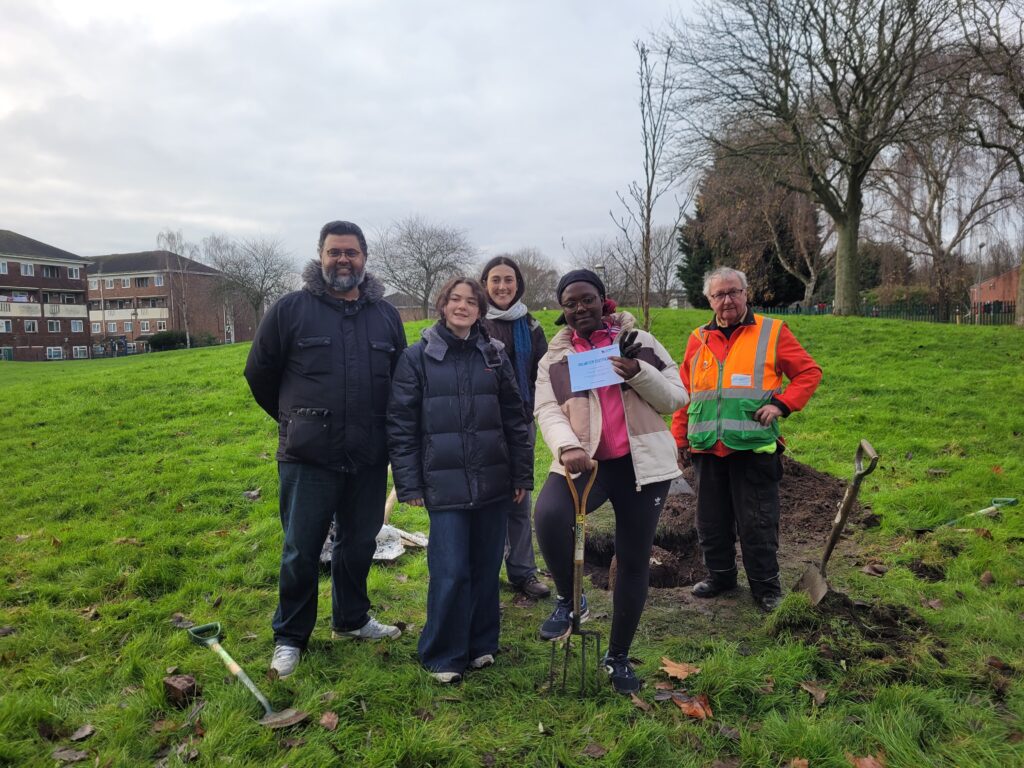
482,661
286,659
371,630
446,678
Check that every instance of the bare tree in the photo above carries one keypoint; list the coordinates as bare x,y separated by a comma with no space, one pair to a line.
416,256
612,260
257,270
183,254
657,86
539,274
832,82
665,262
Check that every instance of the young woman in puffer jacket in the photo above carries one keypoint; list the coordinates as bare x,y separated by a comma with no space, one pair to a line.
618,425
460,445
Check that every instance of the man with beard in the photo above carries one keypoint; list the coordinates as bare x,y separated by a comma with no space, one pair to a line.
321,367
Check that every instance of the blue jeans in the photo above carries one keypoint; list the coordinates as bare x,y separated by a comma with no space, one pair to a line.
310,498
463,611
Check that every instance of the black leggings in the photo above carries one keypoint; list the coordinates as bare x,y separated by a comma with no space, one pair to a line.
636,517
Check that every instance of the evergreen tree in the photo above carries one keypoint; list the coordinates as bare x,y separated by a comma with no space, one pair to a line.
698,257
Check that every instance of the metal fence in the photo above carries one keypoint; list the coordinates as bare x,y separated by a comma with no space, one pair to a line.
996,313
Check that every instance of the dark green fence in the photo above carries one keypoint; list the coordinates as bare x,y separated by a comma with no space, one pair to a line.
997,313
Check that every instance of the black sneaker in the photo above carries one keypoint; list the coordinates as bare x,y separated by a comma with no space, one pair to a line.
620,672
560,621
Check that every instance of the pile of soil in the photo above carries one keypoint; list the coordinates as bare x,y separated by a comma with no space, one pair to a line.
808,501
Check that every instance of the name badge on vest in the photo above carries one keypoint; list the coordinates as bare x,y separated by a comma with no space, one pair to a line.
740,380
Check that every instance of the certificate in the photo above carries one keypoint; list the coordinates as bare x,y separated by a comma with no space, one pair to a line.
593,369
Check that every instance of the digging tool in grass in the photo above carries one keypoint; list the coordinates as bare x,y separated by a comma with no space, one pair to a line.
210,635
990,511
813,581
585,635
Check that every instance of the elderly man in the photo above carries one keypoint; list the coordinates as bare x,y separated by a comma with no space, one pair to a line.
733,369
321,367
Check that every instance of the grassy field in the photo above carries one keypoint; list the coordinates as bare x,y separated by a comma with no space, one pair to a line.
123,505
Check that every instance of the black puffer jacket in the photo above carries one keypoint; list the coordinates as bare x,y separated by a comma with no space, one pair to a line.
456,430
321,367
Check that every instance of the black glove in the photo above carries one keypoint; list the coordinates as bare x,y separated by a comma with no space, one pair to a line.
629,347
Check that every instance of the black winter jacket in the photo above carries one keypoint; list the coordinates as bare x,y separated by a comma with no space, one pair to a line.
321,367
456,431
502,330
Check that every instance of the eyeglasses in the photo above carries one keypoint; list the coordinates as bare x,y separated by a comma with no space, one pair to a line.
587,302
721,296
348,253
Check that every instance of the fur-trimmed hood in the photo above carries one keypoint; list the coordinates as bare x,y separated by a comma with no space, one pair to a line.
371,290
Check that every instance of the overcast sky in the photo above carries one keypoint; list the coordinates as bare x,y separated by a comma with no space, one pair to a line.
515,121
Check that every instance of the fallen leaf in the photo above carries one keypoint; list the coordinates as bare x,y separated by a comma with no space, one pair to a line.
20,538
935,605
179,621
186,752
997,470
987,579
874,569
265,456
222,532
730,733
542,730
696,707
292,742
163,726
817,693
680,670
128,540
871,761
639,703
68,755
996,663
5,631
171,670
798,762
329,720
57,543
664,695
83,733
595,750
663,685
769,685
90,613
985,533
252,495
217,601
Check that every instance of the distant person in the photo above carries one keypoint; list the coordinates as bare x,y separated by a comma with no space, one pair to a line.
321,366
460,446
733,369
618,425
509,321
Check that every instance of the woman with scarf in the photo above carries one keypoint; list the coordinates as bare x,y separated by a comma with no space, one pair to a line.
620,426
509,321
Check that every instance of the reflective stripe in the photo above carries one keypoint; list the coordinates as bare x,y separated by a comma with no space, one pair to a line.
737,394
762,351
744,426
692,428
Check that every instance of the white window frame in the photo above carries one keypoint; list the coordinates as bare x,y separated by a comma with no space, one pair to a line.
80,353
28,270
94,284
53,326
67,298
130,347
144,326
108,283
54,353
31,326
6,326
97,327
47,268
128,326
142,282
78,326
112,327
74,273
3,267
158,281
126,282
161,325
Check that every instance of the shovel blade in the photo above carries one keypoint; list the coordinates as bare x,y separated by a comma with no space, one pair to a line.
813,583
283,719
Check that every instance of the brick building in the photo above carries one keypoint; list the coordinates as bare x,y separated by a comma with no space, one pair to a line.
996,292
43,312
135,295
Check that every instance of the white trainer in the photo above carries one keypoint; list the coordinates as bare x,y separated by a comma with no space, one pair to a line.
482,661
286,659
371,630
446,678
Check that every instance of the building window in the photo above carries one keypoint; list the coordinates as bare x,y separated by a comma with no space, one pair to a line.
28,270
127,326
68,298
80,353
53,326
31,326
54,353
6,353
20,296
161,325
3,267
111,327
96,327
74,273
144,326
78,326
158,281
49,271
142,282
126,282
94,284
5,326
109,282
130,346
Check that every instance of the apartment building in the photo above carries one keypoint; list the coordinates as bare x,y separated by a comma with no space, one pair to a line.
135,295
43,312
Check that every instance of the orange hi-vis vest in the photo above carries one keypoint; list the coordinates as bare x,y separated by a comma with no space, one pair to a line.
725,394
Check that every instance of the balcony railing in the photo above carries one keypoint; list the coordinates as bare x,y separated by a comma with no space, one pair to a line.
20,309
142,313
67,310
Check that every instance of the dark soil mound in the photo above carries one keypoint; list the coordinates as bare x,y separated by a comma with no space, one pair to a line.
808,500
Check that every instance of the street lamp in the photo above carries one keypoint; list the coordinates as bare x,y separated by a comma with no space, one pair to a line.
977,287
599,268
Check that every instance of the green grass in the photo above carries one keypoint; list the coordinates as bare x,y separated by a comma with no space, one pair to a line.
122,505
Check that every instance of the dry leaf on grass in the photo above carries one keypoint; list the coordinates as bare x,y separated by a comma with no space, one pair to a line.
595,750
163,726
874,569
987,578
798,762
769,685
252,495
68,755
935,605
83,733
985,533
680,670
178,620
870,761
639,703
20,538
329,720
131,540
696,707
817,693
5,631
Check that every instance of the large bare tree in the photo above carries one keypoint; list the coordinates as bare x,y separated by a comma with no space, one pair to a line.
832,82
257,270
416,256
183,254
